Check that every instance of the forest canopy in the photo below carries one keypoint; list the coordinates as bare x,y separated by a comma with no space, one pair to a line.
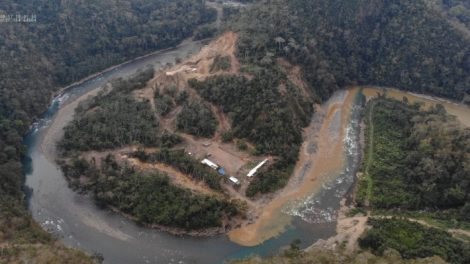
419,159
400,43
413,240
410,45
69,41
260,114
148,196
113,118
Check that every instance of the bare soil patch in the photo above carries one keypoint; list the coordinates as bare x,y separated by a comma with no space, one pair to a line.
176,177
349,230
294,74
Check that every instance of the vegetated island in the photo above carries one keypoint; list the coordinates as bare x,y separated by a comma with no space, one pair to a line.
419,46
164,151
192,105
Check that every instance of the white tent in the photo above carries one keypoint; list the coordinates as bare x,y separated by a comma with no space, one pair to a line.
234,180
210,164
255,169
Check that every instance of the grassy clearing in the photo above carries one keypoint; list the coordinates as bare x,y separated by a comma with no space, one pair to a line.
364,194
441,219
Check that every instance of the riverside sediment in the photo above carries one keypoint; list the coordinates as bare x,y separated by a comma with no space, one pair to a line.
312,171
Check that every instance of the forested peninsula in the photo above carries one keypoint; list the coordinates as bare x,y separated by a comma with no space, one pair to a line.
174,148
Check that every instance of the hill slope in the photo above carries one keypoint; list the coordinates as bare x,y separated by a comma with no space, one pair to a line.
68,41
399,43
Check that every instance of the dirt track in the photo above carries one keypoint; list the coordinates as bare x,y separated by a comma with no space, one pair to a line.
459,110
176,177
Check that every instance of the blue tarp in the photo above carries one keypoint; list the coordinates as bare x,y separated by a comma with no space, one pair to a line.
221,171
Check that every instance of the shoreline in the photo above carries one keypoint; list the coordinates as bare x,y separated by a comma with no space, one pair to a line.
62,90
48,148
328,159
53,133
175,231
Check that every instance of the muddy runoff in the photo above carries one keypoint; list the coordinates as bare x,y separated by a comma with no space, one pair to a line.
305,210
328,162
323,175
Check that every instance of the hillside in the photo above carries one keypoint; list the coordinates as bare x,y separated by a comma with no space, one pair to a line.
168,123
417,46
253,91
402,44
244,99
68,41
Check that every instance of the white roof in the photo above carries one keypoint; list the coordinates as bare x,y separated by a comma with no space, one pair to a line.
234,180
209,163
253,171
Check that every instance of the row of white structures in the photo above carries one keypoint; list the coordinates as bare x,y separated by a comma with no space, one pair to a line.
250,174
216,167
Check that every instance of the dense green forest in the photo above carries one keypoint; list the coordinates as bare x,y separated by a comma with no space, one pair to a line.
418,159
184,163
404,44
259,112
69,41
196,118
148,196
221,63
163,103
263,116
456,9
414,240
113,119
398,43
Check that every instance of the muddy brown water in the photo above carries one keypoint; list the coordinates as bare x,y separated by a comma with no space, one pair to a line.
307,211
79,223
322,176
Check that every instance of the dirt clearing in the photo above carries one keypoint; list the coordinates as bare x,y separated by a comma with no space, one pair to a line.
176,177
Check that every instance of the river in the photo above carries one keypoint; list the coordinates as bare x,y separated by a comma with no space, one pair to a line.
79,223
324,173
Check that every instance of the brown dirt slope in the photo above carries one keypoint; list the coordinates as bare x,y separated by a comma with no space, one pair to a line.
197,66
176,177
